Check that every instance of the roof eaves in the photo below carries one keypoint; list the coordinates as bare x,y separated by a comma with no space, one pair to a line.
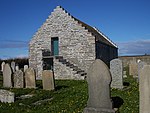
110,41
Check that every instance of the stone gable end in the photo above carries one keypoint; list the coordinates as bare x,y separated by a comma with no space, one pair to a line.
76,43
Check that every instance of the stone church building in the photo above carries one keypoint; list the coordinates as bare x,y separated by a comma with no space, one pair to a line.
68,46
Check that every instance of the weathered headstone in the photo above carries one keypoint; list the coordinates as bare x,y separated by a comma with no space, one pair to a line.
13,66
18,79
30,78
140,66
144,88
2,66
116,73
25,67
99,79
7,74
48,80
17,68
133,68
6,96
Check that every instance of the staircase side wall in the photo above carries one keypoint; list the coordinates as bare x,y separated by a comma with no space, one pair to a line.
61,71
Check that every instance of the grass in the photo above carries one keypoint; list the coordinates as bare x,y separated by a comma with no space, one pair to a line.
70,96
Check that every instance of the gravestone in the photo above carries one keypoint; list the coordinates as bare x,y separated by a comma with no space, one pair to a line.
144,89
6,96
13,66
48,80
18,79
7,74
30,78
2,66
25,67
116,73
17,68
133,68
99,78
140,66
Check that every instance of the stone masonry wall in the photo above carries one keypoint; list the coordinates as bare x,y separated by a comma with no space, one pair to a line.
76,44
127,59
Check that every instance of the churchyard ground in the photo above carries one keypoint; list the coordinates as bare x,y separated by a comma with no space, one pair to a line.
70,96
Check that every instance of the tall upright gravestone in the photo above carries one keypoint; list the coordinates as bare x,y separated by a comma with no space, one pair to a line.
18,79
144,88
140,66
116,73
7,74
99,79
48,80
2,66
30,78
133,68
13,66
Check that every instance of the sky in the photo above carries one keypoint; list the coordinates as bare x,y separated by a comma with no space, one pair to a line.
125,22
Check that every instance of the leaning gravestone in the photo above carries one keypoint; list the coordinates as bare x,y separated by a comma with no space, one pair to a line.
144,89
2,66
48,80
6,96
133,68
7,74
116,73
99,79
25,68
13,66
18,79
30,78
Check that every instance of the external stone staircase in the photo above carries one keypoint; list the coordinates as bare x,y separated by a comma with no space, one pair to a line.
75,70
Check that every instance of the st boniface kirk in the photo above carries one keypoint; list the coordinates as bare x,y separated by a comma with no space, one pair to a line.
68,46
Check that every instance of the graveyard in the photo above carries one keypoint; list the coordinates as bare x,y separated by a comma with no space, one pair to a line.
69,96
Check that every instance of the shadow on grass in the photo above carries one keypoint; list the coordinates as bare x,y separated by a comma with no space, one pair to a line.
117,102
126,83
60,87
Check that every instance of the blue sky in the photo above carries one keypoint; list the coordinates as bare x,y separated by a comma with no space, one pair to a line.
126,22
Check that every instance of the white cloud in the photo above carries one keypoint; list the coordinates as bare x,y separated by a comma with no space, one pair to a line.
22,56
139,47
13,44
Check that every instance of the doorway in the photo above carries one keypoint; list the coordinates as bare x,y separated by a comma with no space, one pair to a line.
55,46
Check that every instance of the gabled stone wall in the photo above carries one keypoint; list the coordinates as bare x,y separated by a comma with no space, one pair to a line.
76,43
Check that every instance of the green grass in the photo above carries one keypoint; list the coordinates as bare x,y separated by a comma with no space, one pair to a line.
129,95
70,96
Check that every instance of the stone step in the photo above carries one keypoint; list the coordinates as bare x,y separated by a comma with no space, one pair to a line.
63,61
68,64
71,66
76,70
80,71
59,57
